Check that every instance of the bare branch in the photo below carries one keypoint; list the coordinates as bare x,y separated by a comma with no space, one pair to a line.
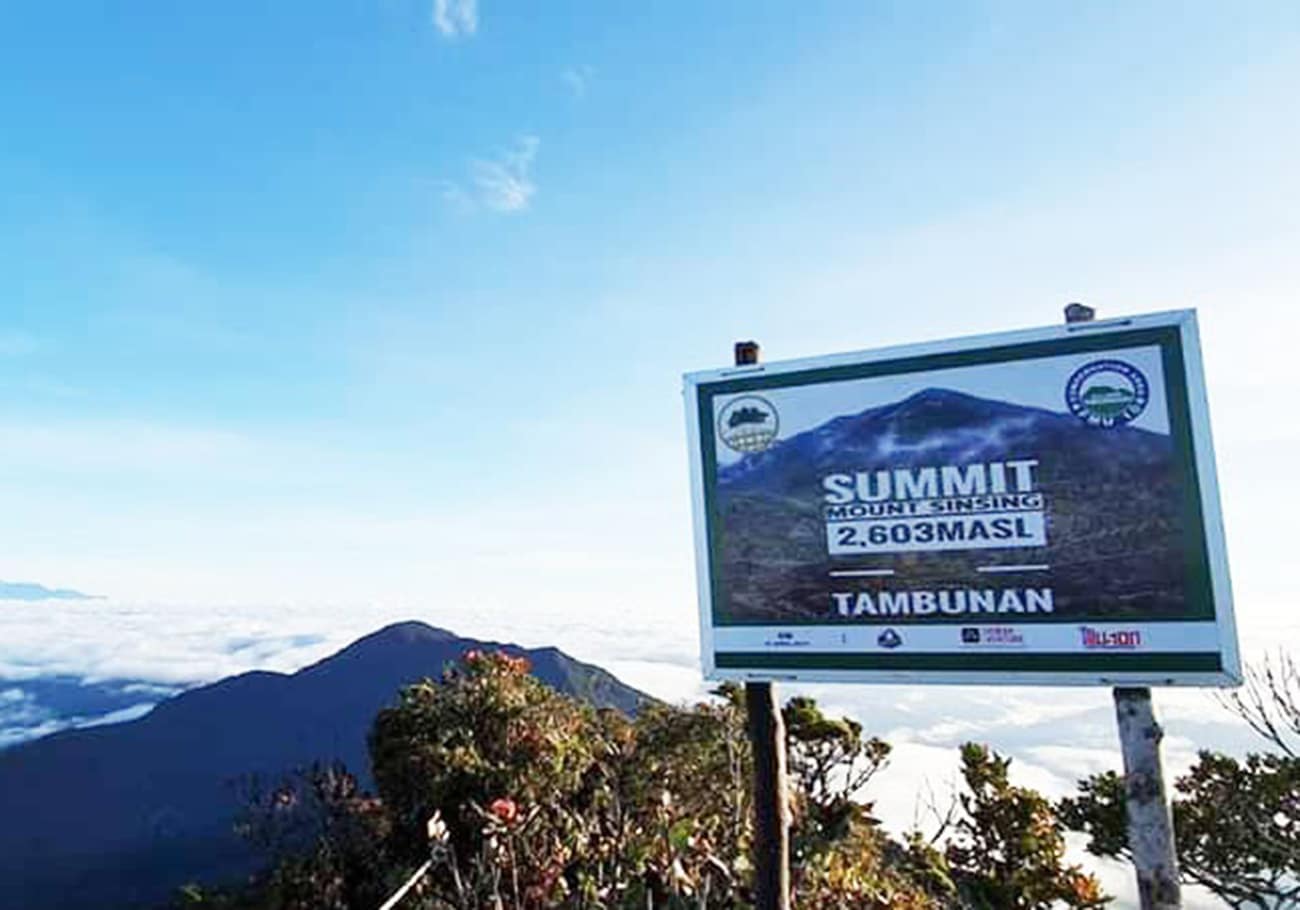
1269,701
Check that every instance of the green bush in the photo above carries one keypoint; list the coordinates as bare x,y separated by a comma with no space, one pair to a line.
523,798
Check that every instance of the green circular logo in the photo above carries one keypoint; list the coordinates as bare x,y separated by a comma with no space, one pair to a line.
1107,393
748,424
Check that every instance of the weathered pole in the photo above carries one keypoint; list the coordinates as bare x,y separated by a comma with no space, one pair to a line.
767,740
1150,820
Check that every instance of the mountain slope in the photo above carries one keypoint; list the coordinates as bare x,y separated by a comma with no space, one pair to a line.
120,815
1116,518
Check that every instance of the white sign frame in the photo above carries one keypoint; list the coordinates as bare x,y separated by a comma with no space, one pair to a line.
1183,322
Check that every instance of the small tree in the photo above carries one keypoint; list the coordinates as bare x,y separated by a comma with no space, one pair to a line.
512,768
1009,850
325,839
830,760
688,781
1237,826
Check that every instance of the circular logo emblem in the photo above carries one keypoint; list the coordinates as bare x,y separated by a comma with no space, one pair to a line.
748,424
1107,393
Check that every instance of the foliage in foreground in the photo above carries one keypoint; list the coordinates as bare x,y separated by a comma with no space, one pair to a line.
1236,823
524,798
1236,826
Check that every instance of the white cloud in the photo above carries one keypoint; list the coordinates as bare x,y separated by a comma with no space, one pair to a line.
206,641
120,716
577,78
1075,761
504,183
455,18
29,720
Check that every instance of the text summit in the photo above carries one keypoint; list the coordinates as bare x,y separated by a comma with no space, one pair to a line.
948,481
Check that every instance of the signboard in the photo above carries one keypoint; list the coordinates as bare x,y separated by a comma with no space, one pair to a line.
1029,507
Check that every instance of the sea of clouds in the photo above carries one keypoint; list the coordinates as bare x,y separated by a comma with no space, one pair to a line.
76,663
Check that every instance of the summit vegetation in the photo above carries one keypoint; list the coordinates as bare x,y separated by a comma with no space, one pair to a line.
519,797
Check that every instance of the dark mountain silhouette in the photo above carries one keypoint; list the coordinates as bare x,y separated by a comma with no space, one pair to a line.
121,815
1115,523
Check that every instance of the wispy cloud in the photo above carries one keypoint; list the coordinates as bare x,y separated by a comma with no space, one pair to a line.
455,18
503,183
577,78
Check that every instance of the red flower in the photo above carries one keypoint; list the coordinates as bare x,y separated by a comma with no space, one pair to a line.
505,809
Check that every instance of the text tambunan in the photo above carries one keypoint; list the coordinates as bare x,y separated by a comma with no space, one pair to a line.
956,602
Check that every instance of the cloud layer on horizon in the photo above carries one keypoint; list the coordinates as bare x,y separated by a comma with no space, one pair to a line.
1070,731
1055,736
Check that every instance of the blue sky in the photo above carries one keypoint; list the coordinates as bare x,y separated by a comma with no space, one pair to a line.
391,299
317,316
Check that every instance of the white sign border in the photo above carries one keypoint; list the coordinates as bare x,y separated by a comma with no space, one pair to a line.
1203,454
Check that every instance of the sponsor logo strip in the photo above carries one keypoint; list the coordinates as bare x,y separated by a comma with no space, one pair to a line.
964,637
1007,661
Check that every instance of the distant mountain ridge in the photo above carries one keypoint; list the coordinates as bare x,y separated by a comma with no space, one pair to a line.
26,590
933,426
121,815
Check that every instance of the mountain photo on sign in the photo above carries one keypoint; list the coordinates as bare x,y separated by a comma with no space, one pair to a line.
1048,489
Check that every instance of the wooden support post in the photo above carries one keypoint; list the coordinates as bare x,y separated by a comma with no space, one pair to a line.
1150,820
767,740
771,813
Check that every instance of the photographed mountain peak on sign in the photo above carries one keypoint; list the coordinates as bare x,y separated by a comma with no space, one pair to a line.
1056,485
